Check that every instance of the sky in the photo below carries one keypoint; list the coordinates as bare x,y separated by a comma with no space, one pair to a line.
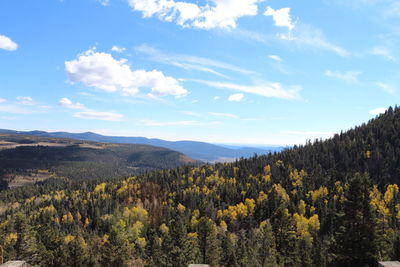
274,72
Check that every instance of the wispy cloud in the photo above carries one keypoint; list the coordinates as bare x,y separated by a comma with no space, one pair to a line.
169,123
348,76
275,57
308,36
25,100
388,88
96,115
383,52
67,103
302,37
16,109
189,62
377,111
2,100
305,135
236,97
118,49
265,89
226,115
104,2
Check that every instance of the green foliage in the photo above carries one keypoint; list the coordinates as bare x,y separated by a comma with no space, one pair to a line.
331,203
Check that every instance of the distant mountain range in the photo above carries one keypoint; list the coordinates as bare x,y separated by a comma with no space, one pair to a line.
196,150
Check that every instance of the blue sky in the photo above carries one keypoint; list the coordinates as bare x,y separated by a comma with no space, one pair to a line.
221,71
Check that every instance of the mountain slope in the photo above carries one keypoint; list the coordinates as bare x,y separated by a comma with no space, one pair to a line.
60,157
333,203
196,150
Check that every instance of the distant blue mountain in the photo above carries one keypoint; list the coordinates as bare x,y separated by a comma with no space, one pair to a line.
197,150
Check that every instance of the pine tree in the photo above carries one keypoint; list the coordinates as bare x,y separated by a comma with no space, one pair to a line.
356,240
210,249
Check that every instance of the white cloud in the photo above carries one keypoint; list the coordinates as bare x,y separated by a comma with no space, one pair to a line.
226,115
275,57
388,88
25,100
383,52
67,103
265,89
118,49
216,97
215,14
308,36
348,76
2,100
96,115
377,111
102,71
168,123
188,62
7,44
236,97
104,2
15,109
281,17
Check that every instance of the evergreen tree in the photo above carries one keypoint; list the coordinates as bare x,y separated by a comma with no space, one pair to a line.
356,240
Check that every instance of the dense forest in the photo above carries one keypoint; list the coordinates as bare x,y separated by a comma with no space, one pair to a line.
327,203
37,159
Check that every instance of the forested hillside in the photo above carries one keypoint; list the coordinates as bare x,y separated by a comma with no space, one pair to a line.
197,150
28,159
328,203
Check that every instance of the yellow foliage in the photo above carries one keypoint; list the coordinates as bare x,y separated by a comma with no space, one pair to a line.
78,217
319,193
313,223
87,222
301,224
261,197
368,154
280,191
100,188
67,218
250,204
391,191
141,242
49,209
105,239
137,228
302,207
304,225
220,214
68,239
378,204
11,238
241,210
297,177
267,169
195,216
164,228
192,235
398,212
266,178
223,226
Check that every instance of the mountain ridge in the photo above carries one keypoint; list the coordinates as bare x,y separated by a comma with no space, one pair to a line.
202,151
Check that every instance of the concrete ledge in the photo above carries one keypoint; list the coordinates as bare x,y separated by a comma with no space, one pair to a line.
15,264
